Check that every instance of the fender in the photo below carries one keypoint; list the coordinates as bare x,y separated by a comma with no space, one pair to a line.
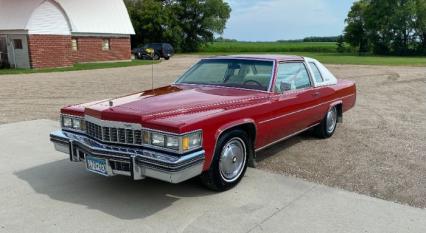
225,127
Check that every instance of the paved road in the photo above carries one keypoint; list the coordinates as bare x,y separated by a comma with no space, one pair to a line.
40,191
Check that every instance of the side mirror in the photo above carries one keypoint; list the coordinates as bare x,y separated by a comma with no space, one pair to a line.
285,86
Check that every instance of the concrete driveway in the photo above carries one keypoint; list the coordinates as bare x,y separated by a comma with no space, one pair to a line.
41,191
379,150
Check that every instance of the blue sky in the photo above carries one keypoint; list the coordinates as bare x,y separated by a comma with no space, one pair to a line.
270,20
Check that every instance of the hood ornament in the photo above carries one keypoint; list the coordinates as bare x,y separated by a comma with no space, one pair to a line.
111,103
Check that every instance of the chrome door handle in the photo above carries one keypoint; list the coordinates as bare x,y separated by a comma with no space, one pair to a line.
316,94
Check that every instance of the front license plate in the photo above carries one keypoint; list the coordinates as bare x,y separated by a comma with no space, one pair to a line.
97,165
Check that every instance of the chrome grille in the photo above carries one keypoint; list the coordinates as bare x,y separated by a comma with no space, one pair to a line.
114,135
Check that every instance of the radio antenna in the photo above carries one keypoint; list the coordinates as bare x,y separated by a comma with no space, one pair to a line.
151,53
152,74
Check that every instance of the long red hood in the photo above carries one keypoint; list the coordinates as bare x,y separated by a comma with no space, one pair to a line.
171,107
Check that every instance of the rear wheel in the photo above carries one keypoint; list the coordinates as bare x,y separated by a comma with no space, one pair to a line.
230,161
328,125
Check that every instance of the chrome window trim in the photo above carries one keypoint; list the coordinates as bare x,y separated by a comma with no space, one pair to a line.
312,64
212,85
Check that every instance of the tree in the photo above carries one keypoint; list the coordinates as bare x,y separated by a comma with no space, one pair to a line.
340,44
147,20
395,27
187,24
355,32
403,27
421,25
390,25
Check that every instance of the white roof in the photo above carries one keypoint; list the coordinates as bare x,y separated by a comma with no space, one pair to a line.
327,77
83,16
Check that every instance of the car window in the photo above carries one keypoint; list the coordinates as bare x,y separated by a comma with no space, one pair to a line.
152,46
316,72
167,47
248,74
292,76
209,72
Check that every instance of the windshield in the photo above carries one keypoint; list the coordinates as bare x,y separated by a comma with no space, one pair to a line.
247,74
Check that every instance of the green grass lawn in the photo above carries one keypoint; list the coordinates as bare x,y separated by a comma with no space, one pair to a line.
323,51
86,66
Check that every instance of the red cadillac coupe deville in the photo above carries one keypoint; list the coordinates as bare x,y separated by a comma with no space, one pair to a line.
209,123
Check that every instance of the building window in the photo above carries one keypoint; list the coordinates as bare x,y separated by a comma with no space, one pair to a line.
17,43
106,45
74,44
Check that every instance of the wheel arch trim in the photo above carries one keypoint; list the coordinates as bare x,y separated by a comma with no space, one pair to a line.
339,110
232,125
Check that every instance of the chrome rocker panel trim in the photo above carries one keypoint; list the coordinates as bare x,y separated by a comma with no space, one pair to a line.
143,162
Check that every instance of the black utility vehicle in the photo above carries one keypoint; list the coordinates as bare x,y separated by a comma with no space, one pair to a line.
161,50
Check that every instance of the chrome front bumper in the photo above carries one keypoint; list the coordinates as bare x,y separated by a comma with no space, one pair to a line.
137,163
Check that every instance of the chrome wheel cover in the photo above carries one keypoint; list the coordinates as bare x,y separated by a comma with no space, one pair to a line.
331,120
232,159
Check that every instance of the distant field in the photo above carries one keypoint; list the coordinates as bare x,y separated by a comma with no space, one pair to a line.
270,47
323,51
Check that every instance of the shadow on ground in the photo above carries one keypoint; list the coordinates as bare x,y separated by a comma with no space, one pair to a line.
117,196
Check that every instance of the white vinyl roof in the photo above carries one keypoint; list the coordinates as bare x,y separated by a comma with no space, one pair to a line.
83,16
328,78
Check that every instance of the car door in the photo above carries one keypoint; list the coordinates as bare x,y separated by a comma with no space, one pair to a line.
294,101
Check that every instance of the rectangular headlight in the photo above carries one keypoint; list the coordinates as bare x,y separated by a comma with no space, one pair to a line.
73,122
67,122
176,143
172,142
158,139
76,123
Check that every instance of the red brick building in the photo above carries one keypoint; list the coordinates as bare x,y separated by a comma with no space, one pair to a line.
60,33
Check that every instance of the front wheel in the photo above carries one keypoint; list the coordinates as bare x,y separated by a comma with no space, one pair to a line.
230,161
328,125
